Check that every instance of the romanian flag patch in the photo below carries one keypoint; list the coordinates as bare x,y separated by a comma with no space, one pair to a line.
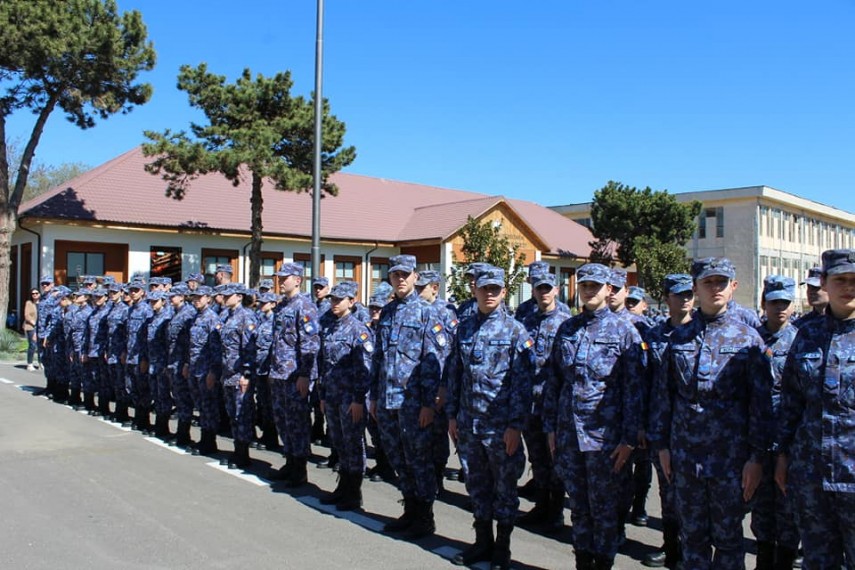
363,337
768,352
528,343
644,346
437,328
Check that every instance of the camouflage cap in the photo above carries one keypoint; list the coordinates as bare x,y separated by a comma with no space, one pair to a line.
403,262
779,287
636,293
537,269
266,298
490,276
320,281
288,269
813,277
427,277
617,277
345,289
675,283
224,268
543,279
709,266
595,272
475,268
836,261
201,290
265,284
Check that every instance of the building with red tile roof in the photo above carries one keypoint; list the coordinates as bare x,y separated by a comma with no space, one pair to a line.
116,219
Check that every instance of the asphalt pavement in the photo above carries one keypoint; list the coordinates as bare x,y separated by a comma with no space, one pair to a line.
81,492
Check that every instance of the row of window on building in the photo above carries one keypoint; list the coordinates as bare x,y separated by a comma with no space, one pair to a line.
787,226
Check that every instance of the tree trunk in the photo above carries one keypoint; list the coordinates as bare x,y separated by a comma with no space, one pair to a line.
8,224
257,204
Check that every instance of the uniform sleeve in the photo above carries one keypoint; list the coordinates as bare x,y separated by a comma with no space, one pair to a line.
522,371
248,345
760,419
552,385
309,341
453,379
792,405
361,364
661,404
634,364
434,342
215,347
376,362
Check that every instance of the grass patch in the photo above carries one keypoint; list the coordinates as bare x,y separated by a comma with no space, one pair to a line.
12,345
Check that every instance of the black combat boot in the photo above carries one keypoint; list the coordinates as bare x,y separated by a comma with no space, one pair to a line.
638,515
161,427
439,474
481,550
502,548
284,472
423,523
330,462
207,443
584,560
240,458
74,399
182,435
298,476
404,521
529,490
60,394
339,491
269,438
352,499
121,415
104,407
555,519
89,403
673,548
142,418
602,562
539,513
382,468
765,556
785,557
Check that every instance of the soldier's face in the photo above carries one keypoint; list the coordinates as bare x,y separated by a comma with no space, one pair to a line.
545,297
617,298
594,295
816,296
713,293
136,294
100,300
777,312
402,282
177,301
841,294
233,301
321,291
489,297
289,285
375,313
680,304
340,306
428,292
635,306
201,301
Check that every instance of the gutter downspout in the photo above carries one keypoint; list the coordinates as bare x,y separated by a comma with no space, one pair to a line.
243,260
756,256
38,243
365,282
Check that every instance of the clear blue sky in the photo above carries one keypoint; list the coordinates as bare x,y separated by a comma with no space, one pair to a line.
543,100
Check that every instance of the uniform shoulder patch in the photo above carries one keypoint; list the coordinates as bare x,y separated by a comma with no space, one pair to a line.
437,328
644,346
528,343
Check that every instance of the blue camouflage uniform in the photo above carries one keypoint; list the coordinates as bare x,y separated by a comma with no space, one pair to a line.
263,345
529,307
96,353
117,340
406,369
205,358
711,407
772,519
740,313
157,352
79,332
543,329
344,363
813,280
54,331
47,312
489,382
178,334
136,369
238,350
817,431
295,348
593,403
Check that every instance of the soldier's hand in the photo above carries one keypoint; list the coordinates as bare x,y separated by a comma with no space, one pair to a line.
210,379
372,409
185,371
621,456
84,358
642,439
425,416
751,475
124,358
665,463
550,438
512,440
781,466
356,411
323,406
244,384
452,429
441,398
303,386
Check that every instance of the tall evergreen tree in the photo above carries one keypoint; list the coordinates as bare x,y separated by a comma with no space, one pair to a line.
81,56
255,129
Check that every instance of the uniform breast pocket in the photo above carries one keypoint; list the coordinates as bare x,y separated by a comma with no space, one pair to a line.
683,360
410,342
568,351
807,366
604,358
847,383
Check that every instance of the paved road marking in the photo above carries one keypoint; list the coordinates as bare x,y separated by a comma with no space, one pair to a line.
6,381
254,479
163,444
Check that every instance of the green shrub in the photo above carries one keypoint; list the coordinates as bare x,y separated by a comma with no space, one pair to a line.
12,343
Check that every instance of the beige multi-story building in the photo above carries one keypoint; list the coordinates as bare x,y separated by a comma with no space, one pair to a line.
764,231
